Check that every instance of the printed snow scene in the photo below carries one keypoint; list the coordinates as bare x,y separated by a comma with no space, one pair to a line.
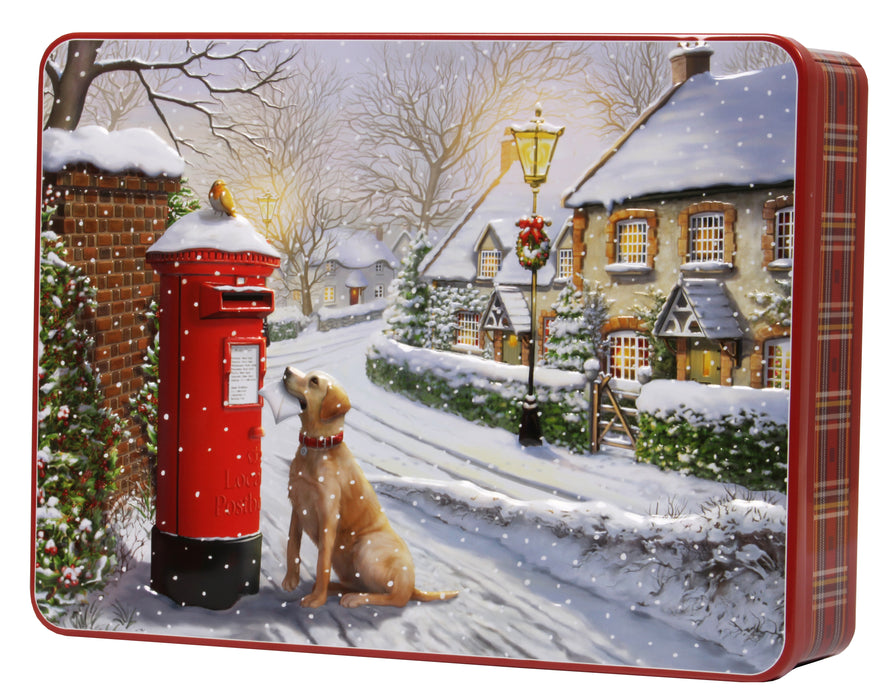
473,349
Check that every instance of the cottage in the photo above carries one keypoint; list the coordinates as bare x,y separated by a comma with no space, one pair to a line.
695,201
357,270
478,256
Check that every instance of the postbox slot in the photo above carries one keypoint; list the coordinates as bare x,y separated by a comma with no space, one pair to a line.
218,301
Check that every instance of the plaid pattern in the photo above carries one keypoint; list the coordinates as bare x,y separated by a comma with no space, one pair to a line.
834,467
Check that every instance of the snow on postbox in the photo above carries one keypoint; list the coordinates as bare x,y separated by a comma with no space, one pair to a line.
206,542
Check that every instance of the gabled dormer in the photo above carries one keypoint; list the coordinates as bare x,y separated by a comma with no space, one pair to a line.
489,253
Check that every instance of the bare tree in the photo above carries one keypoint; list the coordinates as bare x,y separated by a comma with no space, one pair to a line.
426,113
623,80
754,55
116,96
212,73
302,165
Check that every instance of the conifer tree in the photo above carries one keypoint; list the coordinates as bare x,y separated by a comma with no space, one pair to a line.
77,442
570,342
407,316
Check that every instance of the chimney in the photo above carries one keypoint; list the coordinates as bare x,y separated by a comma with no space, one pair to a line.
508,151
691,58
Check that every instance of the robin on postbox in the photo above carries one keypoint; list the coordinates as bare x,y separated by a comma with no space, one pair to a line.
221,200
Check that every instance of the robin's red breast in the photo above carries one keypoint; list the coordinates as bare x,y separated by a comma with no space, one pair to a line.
221,200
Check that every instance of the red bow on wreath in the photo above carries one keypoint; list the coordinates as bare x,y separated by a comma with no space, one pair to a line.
532,246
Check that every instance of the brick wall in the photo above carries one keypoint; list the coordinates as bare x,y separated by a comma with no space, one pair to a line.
108,221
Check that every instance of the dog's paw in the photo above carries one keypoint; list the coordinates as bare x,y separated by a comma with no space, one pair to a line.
354,600
313,600
290,582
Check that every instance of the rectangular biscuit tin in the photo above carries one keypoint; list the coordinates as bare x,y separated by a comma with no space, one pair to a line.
665,485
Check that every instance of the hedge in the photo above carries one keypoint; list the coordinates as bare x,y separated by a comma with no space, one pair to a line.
563,414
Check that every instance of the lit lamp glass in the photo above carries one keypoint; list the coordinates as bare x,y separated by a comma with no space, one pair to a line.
536,143
267,202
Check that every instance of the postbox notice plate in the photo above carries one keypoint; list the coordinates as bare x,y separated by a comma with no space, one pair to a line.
243,379
597,357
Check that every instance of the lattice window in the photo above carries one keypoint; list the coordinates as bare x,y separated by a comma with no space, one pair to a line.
566,263
467,328
706,234
785,233
328,295
489,263
778,363
628,351
379,291
633,237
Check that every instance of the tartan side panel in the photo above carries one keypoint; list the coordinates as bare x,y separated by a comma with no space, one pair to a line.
840,254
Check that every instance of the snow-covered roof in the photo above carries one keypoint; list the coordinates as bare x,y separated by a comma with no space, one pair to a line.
455,257
703,302
206,228
507,309
128,150
707,132
356,280
359,249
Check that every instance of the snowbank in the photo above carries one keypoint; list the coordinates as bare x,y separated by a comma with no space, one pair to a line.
326,314
208,229
117,151
690,570
715,403
461,369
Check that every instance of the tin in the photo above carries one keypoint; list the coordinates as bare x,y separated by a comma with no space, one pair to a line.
590,307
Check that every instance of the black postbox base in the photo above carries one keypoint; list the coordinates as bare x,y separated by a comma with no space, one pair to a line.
209,573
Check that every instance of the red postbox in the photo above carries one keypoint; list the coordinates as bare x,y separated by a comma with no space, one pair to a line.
206,543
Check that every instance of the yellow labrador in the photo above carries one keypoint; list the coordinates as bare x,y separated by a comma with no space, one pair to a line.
335,505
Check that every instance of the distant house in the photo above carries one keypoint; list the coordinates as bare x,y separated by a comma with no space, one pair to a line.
357,270
696,200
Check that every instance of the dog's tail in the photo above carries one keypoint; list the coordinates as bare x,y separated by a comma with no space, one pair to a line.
426,596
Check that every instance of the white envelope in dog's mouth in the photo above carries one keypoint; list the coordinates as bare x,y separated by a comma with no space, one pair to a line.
281,402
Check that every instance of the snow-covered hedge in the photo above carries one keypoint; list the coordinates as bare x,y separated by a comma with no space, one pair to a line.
483,391
733,434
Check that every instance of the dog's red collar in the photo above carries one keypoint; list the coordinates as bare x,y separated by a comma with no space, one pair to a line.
320,443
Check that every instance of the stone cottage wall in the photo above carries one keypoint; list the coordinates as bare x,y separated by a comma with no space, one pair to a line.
108,221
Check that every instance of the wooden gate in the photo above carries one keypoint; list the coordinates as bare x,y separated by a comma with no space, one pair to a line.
614,419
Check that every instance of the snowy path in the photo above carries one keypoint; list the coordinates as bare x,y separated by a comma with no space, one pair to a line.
511,605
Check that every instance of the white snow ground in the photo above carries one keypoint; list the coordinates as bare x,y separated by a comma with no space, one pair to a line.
558,557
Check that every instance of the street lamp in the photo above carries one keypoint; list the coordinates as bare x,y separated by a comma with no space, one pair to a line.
536,143
267,202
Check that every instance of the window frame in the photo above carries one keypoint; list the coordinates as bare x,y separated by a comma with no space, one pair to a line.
468,326
626,373
772,365
496,258
715,240
641,244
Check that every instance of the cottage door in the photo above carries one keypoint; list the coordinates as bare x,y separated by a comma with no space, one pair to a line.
704,363
355,295
511,349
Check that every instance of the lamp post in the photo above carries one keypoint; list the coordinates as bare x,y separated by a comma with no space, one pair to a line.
267,202
536,143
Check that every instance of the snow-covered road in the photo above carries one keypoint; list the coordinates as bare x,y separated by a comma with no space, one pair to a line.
481,515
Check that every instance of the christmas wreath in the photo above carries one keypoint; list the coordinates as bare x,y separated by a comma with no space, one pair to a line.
532,246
